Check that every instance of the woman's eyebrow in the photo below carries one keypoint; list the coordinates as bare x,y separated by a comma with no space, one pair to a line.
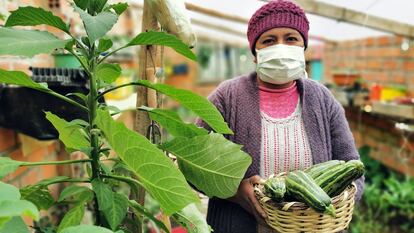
291,34
269,36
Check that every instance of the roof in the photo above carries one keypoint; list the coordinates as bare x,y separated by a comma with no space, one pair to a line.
396,10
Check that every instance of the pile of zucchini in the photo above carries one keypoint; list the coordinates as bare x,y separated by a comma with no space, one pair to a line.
316,185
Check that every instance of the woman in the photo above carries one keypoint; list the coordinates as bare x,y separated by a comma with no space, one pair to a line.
283,120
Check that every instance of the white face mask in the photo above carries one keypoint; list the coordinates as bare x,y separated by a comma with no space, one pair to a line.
280,64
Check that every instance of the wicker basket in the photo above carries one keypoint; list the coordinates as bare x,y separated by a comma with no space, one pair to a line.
299,217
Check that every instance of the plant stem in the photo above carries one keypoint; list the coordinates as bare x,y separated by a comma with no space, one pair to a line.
54,162
124,179
93,105
110,54
78,42
69,100
73,180
81,62
117,87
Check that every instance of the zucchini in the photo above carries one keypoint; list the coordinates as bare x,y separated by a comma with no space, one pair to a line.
338,178
302,187
317,169
275,188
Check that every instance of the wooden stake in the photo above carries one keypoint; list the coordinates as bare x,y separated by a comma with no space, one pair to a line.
149,60
151,94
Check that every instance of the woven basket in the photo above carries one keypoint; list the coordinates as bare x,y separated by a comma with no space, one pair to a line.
299,217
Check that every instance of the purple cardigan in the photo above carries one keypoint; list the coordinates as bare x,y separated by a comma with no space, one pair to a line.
326,126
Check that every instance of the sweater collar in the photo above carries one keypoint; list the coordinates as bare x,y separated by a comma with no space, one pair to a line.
254,86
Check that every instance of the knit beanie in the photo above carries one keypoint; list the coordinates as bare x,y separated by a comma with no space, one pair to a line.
274,14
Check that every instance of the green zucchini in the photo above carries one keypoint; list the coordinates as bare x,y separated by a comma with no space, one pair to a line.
317,169
302,187
335,180
275,188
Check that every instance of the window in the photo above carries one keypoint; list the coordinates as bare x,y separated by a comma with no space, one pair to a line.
54,4
219,61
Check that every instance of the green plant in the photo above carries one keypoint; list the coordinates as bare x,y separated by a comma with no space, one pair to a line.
211,163
387,204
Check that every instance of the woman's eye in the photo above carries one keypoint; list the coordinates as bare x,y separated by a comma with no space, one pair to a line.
268,41
292,38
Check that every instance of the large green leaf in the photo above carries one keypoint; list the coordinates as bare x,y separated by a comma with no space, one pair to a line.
173,124
72,191
156,171
15,225
119,8
31,16
19,78
211,163
97,26
198,104
113,205
83,4
28,42
10,208
73,217
104,44
117,211
96,5
191,218
103,193
7,166
140,209
8,192
162,38
70,134
86,229
92,6
38,195
85,196
108,72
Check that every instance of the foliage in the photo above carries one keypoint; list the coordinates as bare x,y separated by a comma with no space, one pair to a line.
387,204
202,156
12,208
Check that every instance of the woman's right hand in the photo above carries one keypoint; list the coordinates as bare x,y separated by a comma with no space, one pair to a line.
246,198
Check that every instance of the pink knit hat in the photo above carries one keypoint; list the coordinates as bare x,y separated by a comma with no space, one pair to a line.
279,13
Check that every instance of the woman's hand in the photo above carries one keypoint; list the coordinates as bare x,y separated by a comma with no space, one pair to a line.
246,198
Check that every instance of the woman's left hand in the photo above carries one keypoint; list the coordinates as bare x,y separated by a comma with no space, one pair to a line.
246,198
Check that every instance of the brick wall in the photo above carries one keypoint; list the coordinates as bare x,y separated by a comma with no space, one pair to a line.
23,148
376,60
392,147
15,145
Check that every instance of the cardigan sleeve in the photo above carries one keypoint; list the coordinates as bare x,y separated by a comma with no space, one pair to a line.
217,99
343,144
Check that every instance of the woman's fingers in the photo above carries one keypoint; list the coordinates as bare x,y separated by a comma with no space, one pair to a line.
252,198
256,206
255,180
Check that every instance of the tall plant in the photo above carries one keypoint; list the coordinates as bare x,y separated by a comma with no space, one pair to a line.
211,163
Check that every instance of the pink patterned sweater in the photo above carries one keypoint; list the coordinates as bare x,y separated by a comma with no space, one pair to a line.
284,145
